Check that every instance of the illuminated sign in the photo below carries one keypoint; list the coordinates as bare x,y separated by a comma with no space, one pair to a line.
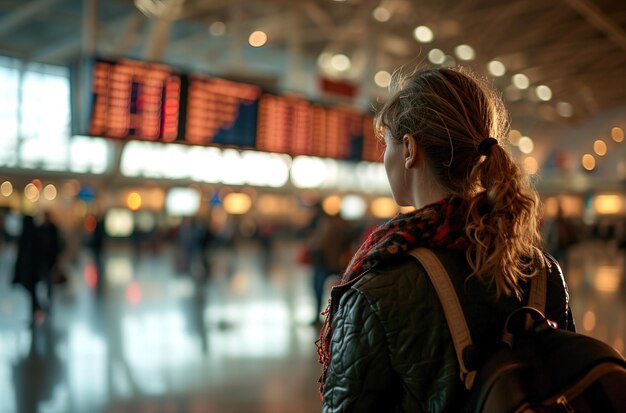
148,101
133,99
298,127
220,112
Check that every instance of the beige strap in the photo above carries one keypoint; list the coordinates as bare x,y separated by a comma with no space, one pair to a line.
451,307
538,287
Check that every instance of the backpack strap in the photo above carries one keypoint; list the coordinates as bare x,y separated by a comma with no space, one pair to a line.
451,307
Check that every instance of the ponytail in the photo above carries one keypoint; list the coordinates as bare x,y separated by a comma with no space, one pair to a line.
502,223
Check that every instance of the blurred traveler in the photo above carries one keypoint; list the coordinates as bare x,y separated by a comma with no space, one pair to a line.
205,241
385,344
329,238
561,235
191,241
49,249
26,271
96,245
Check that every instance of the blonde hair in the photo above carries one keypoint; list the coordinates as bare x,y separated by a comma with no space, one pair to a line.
450,112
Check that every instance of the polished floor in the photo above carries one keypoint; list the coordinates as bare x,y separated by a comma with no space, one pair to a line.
158,341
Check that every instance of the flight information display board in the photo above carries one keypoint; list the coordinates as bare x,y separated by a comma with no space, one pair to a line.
298,127
136,100
222,112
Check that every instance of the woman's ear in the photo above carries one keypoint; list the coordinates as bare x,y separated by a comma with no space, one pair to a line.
411,152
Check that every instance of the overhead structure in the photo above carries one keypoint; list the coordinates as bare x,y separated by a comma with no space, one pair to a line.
575,48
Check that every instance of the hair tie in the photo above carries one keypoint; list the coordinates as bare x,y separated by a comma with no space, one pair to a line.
484,148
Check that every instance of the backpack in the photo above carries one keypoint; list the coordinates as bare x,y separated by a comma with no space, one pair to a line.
536,367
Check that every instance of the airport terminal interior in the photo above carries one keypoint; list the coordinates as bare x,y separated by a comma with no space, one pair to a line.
174,156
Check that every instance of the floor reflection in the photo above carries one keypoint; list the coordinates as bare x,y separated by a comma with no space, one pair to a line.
238,341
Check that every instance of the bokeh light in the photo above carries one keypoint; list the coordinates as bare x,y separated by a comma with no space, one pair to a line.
436,56
384,207
589,321
617,134
133,201
464,52
589,162
332,204
599,147
237,203
257,38
521,81
607,204
340,62
6,189
382,78
381,14
531,165
50,192
565,109
217,28
38,184
525,144
423,34
496,68
543,92
31,192
353,207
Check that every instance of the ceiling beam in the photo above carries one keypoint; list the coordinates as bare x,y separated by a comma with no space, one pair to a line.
71,46
600,21
23,14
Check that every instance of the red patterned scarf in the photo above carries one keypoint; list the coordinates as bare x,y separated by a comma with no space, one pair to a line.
438,225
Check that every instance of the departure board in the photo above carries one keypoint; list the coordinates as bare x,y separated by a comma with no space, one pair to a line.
221,112
128,99
298,127
134,99
372,149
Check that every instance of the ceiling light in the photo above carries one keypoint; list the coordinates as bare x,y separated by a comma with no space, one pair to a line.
436,56
381,14
257,39
565,109
544,92
217,28
464,52
589,162
599,147
496,68
6,189
521,81
423,34
340,62
525,144
382,78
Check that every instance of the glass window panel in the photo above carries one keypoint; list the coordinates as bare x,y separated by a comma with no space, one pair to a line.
9,85
45,121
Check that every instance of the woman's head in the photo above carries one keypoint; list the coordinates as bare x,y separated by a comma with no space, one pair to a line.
448,113
444,115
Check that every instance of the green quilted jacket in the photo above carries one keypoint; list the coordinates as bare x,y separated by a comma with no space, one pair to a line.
391,350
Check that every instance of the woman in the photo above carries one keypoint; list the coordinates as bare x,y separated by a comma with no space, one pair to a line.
385,345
